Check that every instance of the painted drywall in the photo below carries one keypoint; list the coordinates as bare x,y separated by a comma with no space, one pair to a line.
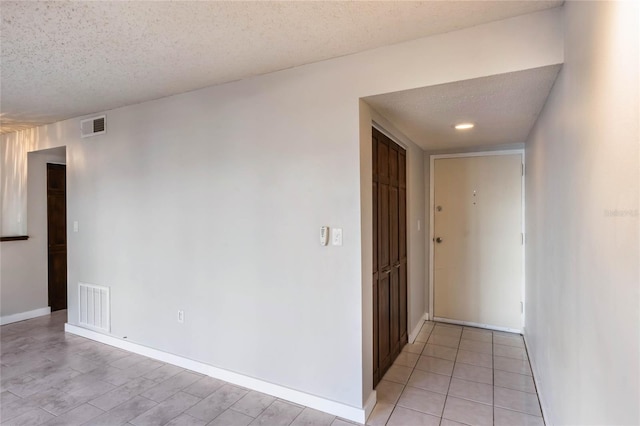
23,272
211,202
582,298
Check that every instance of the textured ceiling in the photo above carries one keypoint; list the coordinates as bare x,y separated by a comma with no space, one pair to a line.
503,108
64,59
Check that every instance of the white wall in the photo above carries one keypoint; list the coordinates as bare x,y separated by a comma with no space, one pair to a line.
23,276
211,202
582,316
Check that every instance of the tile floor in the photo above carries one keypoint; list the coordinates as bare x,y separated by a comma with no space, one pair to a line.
450,376
50,377
454,375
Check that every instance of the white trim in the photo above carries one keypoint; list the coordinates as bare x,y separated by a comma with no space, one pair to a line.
316,402
434,157
388,134
534,371
479,325
8,319
371,402
416,330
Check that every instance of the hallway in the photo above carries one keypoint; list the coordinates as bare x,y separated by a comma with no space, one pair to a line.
453,375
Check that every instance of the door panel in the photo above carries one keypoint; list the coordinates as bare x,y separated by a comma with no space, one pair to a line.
57,236
389,258
478,216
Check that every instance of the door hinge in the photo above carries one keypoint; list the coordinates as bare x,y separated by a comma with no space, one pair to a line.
522,307
522,238
522,169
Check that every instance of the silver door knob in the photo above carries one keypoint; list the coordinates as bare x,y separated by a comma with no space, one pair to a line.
438,240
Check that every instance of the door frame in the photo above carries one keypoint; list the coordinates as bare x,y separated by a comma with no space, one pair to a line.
432,159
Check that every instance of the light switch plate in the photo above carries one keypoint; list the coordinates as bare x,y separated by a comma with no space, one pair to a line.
336,236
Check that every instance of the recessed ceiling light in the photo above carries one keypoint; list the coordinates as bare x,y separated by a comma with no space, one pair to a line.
464,126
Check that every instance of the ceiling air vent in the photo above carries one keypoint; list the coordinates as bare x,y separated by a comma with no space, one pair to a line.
94,126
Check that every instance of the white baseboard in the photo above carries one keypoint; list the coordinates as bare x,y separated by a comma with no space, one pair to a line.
534,370
416,329
318,403
8,319
479,325
371,402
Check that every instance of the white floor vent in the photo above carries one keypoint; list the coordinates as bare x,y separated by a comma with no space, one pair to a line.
94,306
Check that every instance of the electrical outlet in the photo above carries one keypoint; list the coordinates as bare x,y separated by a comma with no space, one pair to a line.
180,316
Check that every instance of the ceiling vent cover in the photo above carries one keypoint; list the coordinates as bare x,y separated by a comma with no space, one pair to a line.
94,126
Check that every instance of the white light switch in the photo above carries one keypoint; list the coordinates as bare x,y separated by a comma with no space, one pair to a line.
75,226
336,236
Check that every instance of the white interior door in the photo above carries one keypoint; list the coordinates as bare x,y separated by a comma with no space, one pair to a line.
478,262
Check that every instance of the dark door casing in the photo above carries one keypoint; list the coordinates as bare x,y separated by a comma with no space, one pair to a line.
389,253
57,235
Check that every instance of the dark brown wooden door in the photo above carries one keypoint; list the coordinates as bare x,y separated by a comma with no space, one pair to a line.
57,235
389,253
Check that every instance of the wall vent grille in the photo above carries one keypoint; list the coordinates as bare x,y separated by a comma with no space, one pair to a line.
94,306
93,126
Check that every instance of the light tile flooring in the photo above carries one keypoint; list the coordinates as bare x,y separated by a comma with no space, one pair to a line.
50,377
453,375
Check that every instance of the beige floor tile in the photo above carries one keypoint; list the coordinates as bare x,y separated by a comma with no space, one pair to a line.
473,373
435,365
512,365
476,334
388,391
468,412
447,422
423,336
523,402
398,374
311,417
521,382
422,400
404,417
414,348
429,381
510,352
407,359
476,346
440,352
475,358
504,417
508,340
447,331
342,422
380,414
473,391
449,341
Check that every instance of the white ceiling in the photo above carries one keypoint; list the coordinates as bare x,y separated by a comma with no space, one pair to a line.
503,108
65,59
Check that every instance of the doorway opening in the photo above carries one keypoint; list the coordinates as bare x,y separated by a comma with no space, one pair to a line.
57,235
